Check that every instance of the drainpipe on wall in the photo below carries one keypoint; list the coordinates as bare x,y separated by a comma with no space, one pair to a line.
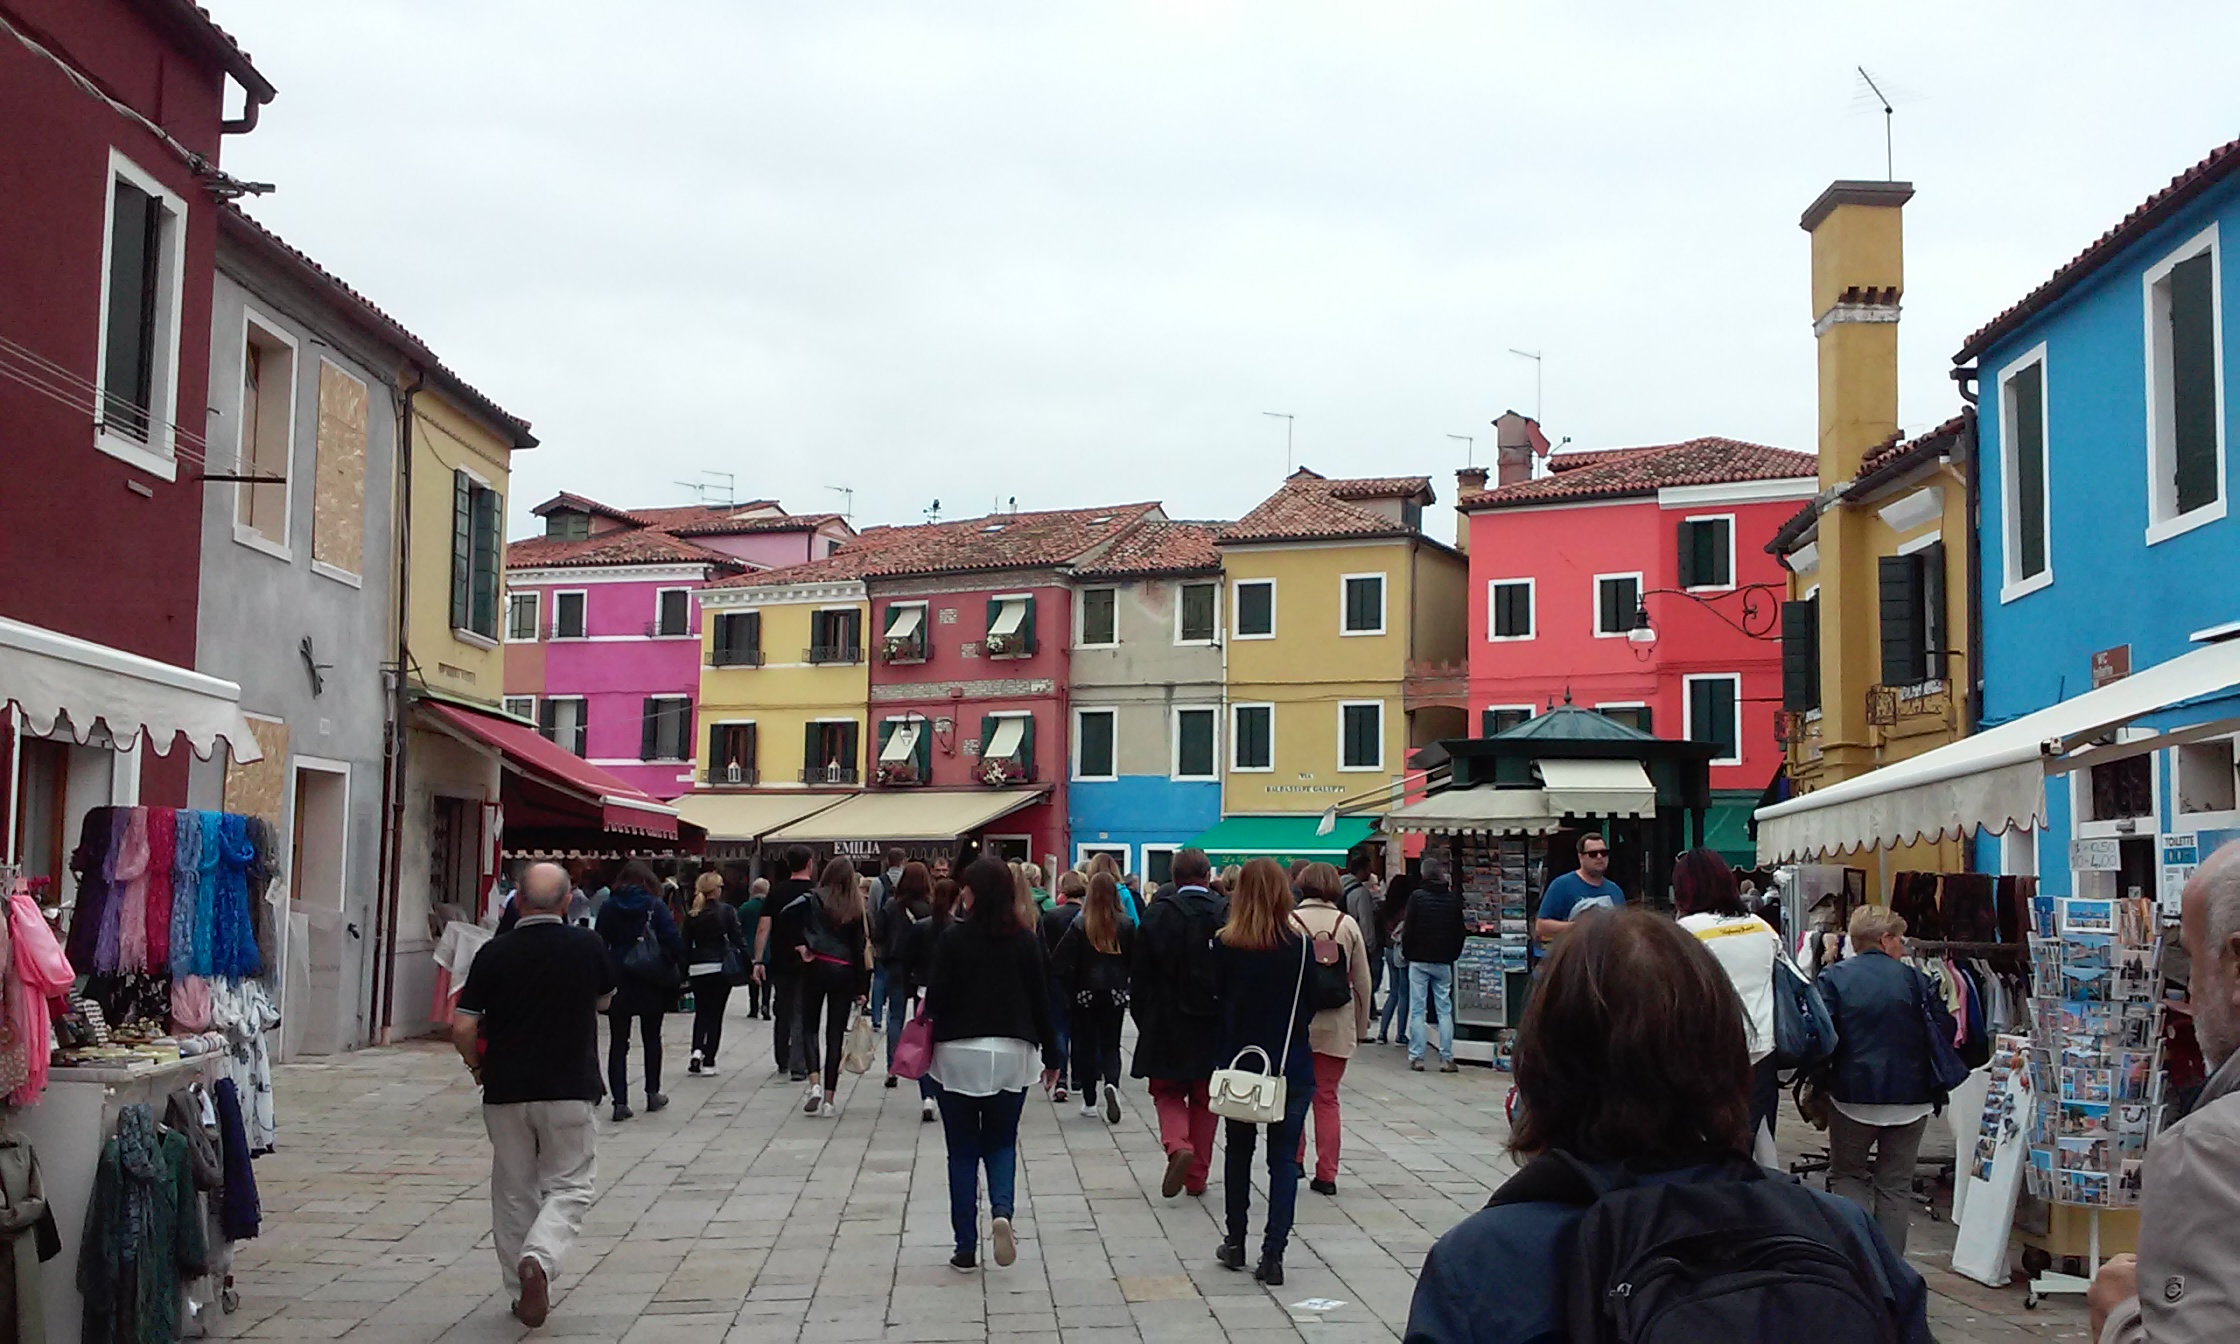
396,759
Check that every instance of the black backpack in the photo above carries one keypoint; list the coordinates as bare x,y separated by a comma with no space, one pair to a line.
1330,972
1198,988
1741,1257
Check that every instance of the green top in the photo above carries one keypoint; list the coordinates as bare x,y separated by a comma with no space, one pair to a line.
1042,899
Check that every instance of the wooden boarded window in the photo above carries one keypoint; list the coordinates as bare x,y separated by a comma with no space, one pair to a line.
338,482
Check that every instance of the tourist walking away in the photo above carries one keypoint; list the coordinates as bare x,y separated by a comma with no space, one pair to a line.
527,1024
649,959
1262,964
1361,892
945,910
1341,957
883,884
1572,895
1636,1207
1392,916
835,956
715,953
1709,904
992,1039
895,931
1090,968
2191,1198
1880,1083
1051,924
1432,945
777,943
1178,1016
750,919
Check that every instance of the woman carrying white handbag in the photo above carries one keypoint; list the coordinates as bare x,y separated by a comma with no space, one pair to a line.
1260,969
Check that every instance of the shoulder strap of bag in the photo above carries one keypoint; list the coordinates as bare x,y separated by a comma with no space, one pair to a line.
1291,1022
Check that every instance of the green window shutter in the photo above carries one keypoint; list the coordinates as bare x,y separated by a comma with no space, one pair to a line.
1026,742
850,735
987,733
2026,406
749,744
750,637
995,609
1026,629
2193,383
922,754
1688,572
548,719
1800,655
649,730
462,548
715,749
1933,633
851,634
811,737
1900,612
489,563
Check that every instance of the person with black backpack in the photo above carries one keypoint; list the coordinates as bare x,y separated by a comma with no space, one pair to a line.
1177,1008
649,960
1637,1217
1340,990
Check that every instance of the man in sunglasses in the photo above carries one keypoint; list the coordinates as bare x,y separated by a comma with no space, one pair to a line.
1569,897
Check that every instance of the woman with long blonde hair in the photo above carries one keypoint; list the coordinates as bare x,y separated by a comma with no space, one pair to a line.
1336,1032
712,934
1260,977
1090,968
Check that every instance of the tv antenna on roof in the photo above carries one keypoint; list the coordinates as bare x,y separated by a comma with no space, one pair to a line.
1469,448
1285,417
1889,115
847,495
702,489
1534,356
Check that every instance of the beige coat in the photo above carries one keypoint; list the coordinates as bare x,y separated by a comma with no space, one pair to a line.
2189,1272
1336,1031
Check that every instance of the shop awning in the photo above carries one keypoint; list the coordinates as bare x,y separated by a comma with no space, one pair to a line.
600,800
1597,788
907,814
1284,839
1994,780
743,818
50,677
1484,810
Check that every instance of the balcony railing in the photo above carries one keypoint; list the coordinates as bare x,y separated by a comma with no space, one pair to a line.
1002,771
654,630
912,650
828,774
1018,644
557,631
834,653
899,775
736,657
724,776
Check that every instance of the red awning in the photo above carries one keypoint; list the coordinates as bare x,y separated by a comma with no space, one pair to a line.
557,788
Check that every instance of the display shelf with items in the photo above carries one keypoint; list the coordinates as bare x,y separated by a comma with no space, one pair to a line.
1499,879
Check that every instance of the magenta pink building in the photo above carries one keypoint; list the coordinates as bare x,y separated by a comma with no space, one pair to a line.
602,632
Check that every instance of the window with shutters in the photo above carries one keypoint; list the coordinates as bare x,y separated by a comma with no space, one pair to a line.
1800,654
567,525
1010,627
828,752
2185,391
1361,735
563,720
1715,715
904,637
737,639
568,615
1632,716
143,270
1362,596
521,618
1252,737
667,731
1197,612
1195,751
1911,615
2022,475
905,751
1707,552
265,435
835,636
1158,864
1093,732
1617,598
1256,609
672,613
1100,618
731,753
1509,609
1006,749
521,706
1501,718
477,563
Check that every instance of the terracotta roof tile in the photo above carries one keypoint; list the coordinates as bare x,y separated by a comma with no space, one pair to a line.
636,546
1644,471
1932,444
1158,547
566,501
2182,189
966,545
727,526
1380,487
1311,507
224,48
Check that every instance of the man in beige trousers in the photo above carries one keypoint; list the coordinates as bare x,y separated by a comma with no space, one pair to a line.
527,1025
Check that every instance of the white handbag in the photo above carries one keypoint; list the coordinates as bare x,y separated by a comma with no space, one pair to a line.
1238,1093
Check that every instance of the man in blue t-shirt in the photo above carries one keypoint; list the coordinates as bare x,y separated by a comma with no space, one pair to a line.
1573,894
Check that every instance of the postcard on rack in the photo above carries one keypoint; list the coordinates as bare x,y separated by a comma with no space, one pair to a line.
2081,914
2087,950
2042,920
2080,1119
2092,984
2130,1179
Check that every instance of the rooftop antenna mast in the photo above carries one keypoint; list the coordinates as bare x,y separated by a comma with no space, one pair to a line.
1534,356
702,489
847,495
1285,417
1469,448
1889,116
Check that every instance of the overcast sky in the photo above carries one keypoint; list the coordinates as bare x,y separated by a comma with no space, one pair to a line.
1071,252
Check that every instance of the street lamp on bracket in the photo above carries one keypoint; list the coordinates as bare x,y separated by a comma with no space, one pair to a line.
1758,606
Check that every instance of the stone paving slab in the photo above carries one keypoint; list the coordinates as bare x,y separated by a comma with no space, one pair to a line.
731,1216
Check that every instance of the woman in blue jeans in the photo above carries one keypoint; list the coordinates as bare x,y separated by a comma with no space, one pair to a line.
1395,998
988,995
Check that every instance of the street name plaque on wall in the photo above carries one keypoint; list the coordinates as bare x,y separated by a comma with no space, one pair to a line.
2111,665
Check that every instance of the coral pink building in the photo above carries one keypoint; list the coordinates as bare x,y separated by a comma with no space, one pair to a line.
1635,581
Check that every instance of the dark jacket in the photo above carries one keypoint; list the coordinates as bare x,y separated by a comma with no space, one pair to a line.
836,950
1434,930
1262,1002
985,985
1076,966
1497,1277
1173,947
709,933
1052,924
622,922
1882,1048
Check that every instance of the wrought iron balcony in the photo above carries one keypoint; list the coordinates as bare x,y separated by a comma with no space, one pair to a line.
828,774
723,657
833,653
729,776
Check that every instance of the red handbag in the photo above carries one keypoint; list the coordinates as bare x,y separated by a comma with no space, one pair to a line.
913,1050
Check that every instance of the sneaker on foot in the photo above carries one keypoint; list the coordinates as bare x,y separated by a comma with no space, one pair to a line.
964,1262
1007,1249
815,1099
622,1112
925,1113
1057,1094
692,1065
1088,1106
1416,1064
656,1101
826,1111
1230,1254
1269,1271
1450,1066
1322,1187
1111,1104
536,1293
893,1082
1178,1165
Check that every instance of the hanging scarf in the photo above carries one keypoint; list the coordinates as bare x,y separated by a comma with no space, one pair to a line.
163,853
262,870
233,943
133,859
206,894
186,892
89,864
240,1213
112,910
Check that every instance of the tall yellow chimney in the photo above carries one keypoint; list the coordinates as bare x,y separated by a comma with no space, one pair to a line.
1858,276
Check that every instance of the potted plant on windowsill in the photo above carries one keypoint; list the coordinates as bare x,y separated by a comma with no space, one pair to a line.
893,773
903,651
1001,772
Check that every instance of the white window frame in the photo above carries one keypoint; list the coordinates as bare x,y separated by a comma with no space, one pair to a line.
475,638
507,703
1144,852
2163,522
557,594
159,455
991,842
1529,712
1733,573
1174,743
2010,522
1343,768
582,728
1640,586
247,535
1074,766
1236,607
1081,618
1688,711
2120,828
1235,737
1531,607
1083,849
709,770
1601,705
685,745
536,623
1179,588
1384,603
689,632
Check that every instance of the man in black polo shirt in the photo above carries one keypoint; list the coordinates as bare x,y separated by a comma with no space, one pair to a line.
776,936
527,1025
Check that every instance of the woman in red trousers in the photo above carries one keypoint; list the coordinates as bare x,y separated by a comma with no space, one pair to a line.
1335,1031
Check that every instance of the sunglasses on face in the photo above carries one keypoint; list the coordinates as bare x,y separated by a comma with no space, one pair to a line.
1594,853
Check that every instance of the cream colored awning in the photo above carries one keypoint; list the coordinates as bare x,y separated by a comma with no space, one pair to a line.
908,814
738,817
1009,616
901,744
1004,744
1597,788
55,678
1484,810
903,622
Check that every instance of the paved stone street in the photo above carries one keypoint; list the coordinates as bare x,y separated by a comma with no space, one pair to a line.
732,1216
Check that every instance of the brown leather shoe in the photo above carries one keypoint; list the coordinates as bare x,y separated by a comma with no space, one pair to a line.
536,1294
1178,1166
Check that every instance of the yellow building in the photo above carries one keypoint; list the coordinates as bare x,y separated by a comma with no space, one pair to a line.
1876,659
1335,596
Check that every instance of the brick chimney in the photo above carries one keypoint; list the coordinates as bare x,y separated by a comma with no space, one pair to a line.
1517,440
1858,276
1469,481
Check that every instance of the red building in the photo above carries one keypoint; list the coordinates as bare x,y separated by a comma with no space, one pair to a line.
1635,581
114,116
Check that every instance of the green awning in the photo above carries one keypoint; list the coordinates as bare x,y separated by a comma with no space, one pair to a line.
1283,839
1726,826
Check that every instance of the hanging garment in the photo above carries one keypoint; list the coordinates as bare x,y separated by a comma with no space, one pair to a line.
28,1236
15,1062
190,1004
141,1240
233,950
186,891
240,1213
132,887
89,863
243,1010
41,973
207,893
163,852
1970,908
264,868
